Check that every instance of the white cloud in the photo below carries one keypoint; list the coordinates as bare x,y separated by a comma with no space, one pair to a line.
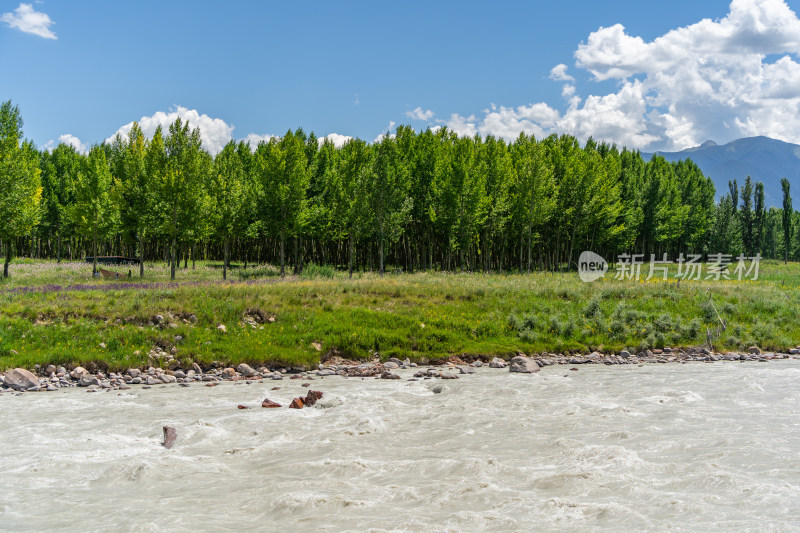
337,139
67,139
215,133
463,126
27,19
388,130
254,139
715,79
559,73
420,114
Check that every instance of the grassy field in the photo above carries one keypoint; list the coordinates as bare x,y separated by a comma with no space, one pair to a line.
59,314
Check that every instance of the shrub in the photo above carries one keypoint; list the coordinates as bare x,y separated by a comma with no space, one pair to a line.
258,272
313,270
592,309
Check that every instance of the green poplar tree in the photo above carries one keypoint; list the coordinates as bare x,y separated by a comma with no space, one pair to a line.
20,187
231,198
787,219
95,213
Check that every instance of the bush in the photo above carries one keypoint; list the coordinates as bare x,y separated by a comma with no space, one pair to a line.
592,310
258,272
313,270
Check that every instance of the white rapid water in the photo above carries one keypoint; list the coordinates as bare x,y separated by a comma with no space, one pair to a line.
694,447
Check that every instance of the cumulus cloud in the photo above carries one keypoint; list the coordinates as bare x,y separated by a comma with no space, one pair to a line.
215,133
559,73
388,131
27,19
253,139
715,79
420,114
337,139
67,139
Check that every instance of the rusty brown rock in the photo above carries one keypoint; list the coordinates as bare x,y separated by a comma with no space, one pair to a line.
240,406
170,434
297,403
312,397
269,403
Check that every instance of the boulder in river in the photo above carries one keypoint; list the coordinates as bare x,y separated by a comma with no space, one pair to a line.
21,379
312,397
269,404
525,365
170,434
297,403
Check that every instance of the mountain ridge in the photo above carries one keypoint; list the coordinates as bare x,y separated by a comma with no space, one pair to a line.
762,158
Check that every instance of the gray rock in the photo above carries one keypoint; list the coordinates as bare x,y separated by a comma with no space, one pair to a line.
477,364
134,372
326,372
88,380
794,351
246,370
153,381
197,368
389,375
21,379
446,375
136,381
277,376
467,370
624,354
525,365
166,378
391,365
497,363
78,372
754,350
51,369
180,374
124,387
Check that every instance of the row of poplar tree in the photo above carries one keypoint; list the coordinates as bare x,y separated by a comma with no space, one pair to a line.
427,200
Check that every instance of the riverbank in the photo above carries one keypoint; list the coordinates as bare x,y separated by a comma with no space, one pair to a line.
52,378
107,326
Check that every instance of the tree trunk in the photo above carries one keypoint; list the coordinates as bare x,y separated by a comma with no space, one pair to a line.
94,247
283,240
172,257
141,255
350,257
380,253
8,258
225,262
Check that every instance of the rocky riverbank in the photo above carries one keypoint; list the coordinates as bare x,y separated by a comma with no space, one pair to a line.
53,378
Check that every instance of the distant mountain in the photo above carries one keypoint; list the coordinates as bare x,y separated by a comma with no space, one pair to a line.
763,159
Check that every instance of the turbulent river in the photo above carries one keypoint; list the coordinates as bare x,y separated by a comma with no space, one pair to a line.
693,447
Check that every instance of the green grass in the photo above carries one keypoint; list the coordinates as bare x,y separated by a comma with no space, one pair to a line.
422,316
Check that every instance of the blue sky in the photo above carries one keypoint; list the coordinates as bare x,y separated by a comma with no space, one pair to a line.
667,81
